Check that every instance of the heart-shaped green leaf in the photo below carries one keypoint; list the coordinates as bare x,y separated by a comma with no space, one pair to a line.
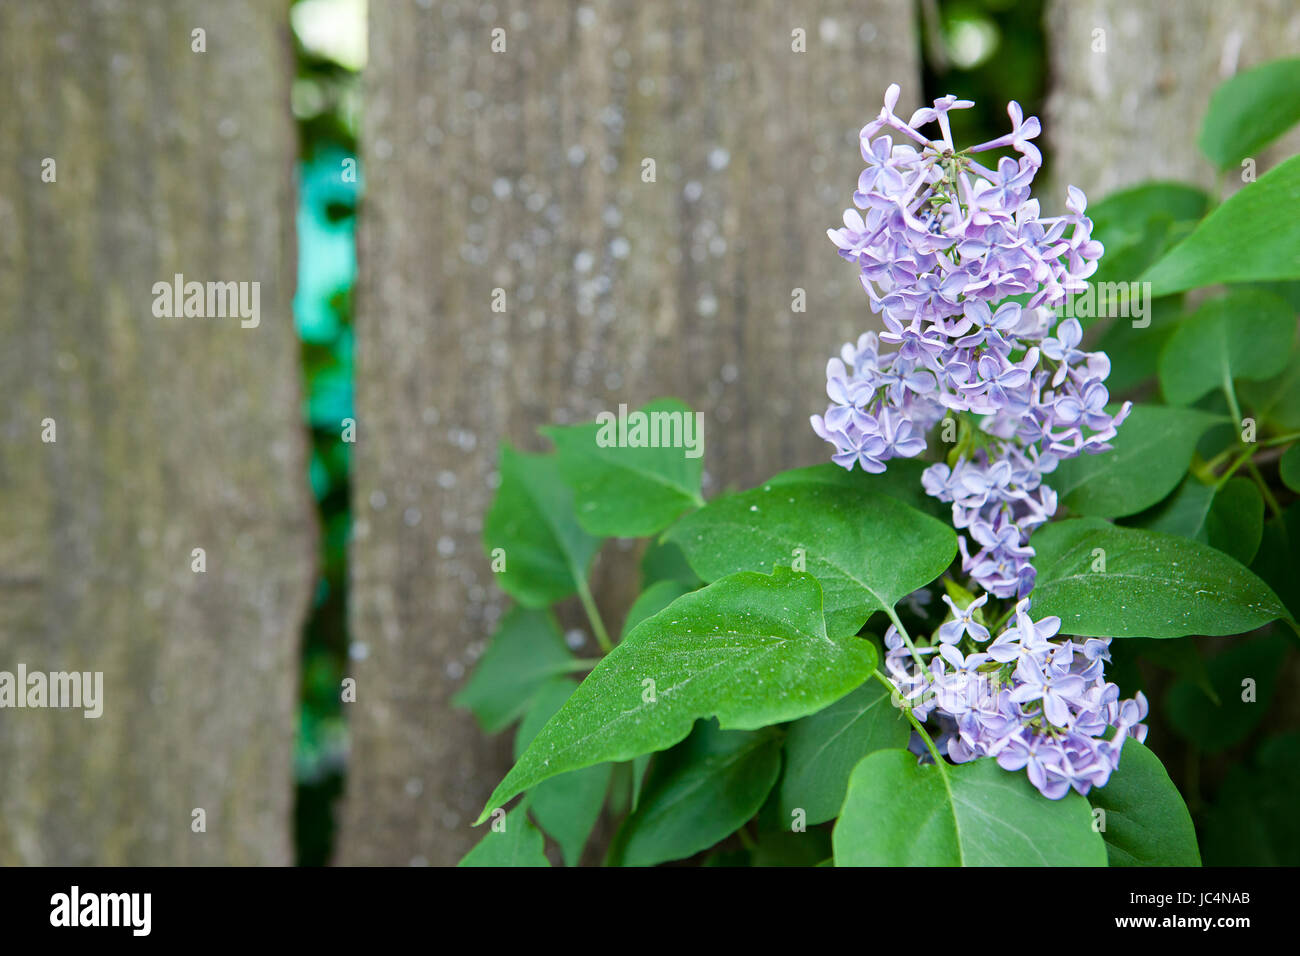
1102,580
821,750
750,649
531,529
867,549
634,473
901,813
698,793
1243,240
1147,460
1146,821
1246,334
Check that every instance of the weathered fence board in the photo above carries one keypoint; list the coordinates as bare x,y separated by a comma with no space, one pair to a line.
171,434
523,170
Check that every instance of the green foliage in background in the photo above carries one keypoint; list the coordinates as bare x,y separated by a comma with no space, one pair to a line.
325,95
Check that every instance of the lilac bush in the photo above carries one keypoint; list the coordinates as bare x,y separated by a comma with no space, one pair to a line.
747,664
967,275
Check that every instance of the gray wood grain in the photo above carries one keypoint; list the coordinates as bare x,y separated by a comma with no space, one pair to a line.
172,434
522,171
1133,112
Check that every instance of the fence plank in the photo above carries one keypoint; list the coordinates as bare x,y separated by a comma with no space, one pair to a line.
523,171
1131,81
170,434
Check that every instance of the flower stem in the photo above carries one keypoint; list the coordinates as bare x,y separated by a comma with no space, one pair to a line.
1264,489
916,724
1002,619
902,632
1230,394
1205,471
593,615
929,744
1242,459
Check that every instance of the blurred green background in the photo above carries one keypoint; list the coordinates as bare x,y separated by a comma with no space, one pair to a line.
329,39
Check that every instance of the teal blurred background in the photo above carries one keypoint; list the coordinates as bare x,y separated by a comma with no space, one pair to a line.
329,39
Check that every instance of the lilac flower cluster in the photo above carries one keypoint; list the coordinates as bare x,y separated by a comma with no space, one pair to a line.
1028,700
943,243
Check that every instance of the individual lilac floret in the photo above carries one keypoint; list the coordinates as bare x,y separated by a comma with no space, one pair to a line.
1029,699
942,243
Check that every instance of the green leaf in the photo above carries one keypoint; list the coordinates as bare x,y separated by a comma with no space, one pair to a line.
1289,468
1182,513
901,813
653,600
666,562
1121,218
1230,519
1243,240
1147,460
901,480
821,750
1146,822
532,521
568,806
1137,225
1277,401
1279,556
1176,654
699,793
518,843
1245,334
750,649
526,652
1248,668
1152,585
631,492
791,848
1253,820
1135,352
1235,523
1250,110
867,549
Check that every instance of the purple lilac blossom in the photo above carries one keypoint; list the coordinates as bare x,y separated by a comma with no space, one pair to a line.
1029,699
941,242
